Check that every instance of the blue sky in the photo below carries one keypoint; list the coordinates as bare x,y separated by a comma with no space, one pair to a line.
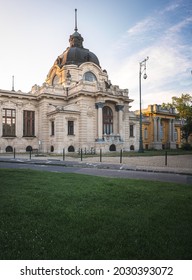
121,33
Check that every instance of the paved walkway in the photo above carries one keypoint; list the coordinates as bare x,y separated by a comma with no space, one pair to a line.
180,164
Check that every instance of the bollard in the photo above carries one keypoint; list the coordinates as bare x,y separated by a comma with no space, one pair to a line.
166,158
121,155
100,155
14,153
81,154
63,154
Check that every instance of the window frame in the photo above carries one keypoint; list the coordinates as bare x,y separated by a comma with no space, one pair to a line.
9,122
28,123
107,120
89,77
70,127
131,130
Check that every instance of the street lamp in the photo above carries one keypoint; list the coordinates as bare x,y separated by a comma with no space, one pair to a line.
142,69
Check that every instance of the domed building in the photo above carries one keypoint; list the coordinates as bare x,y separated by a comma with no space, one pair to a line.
76,108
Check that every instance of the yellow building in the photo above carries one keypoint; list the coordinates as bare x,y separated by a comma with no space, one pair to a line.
160,128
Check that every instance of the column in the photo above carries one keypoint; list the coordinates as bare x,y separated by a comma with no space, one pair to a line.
173,130
19,120
159,130
155,129
170,131
119,109
99,106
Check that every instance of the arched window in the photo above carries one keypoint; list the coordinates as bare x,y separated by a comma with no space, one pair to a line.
71,149
112,148
132,148
90,77
29,148
107,120
52,148
9,149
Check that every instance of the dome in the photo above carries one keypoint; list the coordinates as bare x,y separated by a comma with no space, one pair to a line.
77,56
76,53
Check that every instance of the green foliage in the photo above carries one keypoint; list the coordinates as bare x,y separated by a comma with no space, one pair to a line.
68,216
183,106
186,147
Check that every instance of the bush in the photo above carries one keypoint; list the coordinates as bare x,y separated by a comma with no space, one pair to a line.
186,147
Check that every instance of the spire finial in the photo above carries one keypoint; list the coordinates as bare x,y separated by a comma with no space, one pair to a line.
76,20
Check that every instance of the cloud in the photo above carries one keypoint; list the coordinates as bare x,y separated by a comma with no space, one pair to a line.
142,26
169,51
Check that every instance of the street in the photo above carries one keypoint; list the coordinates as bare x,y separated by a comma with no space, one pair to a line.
113,173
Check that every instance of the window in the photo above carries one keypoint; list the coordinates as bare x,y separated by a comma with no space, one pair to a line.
107,120
90,77
176,135
71,149
132,148
52,148
112,148
9,149
29,149
52,128
131,130
70,127
9,117
145,133
28,123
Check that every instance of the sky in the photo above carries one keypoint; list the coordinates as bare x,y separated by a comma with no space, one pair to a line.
122,33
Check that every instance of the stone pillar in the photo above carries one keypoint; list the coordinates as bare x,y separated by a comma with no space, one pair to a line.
173,130
19,121
159,130
99,106
170,131
119,109
155,129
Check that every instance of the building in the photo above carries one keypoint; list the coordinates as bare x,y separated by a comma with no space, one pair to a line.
160,128
76,108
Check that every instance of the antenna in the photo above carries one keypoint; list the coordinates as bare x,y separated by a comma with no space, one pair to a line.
13,83
76,20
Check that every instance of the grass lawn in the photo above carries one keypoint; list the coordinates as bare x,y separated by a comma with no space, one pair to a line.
67,216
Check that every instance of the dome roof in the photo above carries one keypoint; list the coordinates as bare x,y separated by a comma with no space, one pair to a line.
76,53
77,56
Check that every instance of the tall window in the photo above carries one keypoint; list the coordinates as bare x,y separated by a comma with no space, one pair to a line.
107,120
52,128
131,130
28,123
9,117
70,127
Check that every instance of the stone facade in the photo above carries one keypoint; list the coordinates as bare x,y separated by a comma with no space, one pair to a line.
76,108
160,129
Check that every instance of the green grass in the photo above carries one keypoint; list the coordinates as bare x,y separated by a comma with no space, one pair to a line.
68,216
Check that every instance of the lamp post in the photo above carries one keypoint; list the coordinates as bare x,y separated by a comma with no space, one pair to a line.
142,69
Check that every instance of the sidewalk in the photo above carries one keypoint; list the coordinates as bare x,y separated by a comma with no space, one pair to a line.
181,164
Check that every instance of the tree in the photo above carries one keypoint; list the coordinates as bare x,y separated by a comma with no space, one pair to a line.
183,107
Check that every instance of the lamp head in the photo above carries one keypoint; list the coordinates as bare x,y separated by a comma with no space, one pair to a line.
145,76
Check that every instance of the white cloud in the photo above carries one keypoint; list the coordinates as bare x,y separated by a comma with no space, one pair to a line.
142,26
169,58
